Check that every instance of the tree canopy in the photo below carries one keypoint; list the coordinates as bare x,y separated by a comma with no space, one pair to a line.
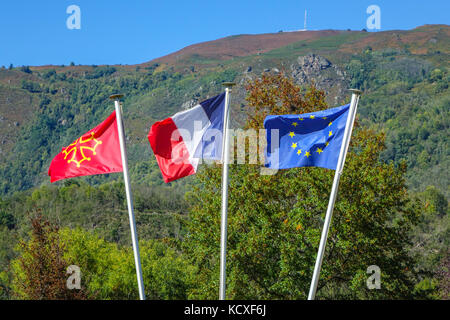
275,221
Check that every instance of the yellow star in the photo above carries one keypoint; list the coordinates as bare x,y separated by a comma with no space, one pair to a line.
324,118
307,154
294,124
291,134
294,145
299,151
301,119
326,144
330,133
330,123
319,150
312,116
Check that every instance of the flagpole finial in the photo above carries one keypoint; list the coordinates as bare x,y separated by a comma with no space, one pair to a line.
116,96
355,91
228,85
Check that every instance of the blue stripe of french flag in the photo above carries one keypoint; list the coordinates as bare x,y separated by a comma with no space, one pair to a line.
179,142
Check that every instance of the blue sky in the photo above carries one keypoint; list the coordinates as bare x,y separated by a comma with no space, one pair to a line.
34,32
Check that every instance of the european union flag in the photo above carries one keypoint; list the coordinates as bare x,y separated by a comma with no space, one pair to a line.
306,140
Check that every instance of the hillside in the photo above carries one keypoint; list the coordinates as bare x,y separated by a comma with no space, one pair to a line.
404,75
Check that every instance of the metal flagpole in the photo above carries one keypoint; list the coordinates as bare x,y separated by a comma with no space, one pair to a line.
339,167
225,161
123,152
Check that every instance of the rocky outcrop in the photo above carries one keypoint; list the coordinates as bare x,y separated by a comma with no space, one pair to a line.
326,76
189,104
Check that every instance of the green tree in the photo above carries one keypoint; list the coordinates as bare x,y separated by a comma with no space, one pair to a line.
431,242
39,273
275,221
435,201
444,277
6,217
108,270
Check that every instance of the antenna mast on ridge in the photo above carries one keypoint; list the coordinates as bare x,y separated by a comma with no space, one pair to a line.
304,27
304,24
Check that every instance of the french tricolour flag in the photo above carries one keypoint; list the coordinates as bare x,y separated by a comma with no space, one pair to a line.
179,142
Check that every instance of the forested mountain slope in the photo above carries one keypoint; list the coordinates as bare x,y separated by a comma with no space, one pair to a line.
404,76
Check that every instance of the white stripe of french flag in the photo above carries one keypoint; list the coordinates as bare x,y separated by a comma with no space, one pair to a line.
180,141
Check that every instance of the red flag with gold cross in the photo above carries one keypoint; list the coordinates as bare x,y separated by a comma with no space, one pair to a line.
96,152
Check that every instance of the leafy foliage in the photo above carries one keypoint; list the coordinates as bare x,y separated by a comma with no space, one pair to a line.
107,270
408,98
39,272
275,221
